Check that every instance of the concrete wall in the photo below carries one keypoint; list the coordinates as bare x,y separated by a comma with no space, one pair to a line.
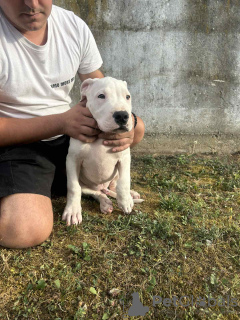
181,59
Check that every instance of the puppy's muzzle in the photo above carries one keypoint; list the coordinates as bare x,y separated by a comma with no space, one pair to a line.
121,117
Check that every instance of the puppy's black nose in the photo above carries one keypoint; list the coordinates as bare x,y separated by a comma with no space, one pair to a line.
121,117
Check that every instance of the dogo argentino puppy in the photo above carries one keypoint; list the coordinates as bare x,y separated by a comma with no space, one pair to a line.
92,168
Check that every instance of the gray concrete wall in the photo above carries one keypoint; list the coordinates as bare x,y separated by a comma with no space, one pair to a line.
181,59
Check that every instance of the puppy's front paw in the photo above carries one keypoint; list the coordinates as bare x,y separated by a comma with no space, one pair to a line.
126,204
72,214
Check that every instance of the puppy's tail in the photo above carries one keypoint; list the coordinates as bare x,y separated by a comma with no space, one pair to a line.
113,194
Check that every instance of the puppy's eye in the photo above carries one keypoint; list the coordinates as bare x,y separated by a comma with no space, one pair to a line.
101,96
127,97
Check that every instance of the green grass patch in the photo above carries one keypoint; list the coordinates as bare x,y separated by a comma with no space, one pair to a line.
183,240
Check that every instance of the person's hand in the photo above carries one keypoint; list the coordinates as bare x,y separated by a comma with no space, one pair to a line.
119,141
79,123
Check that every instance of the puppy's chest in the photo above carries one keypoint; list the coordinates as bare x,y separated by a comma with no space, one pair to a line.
98,161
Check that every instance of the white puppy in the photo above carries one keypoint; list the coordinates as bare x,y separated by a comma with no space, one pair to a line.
91,167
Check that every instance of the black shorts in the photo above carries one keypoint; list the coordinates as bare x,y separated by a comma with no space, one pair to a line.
37,168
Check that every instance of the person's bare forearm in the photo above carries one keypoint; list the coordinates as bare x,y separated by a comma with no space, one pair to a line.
21,131
77,123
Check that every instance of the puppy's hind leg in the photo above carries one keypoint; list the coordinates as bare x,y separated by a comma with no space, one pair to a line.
105,203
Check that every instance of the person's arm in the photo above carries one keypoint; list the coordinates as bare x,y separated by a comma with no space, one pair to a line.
19,131
92,75
76,122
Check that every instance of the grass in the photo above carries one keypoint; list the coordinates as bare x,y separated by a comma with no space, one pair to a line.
184,240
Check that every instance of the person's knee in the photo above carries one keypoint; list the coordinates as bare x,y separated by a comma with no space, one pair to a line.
26,225
24,234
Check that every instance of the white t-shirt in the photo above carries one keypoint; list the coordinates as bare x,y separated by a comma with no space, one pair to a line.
36,80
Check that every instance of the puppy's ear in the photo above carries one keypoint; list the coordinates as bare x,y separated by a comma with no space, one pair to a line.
86,85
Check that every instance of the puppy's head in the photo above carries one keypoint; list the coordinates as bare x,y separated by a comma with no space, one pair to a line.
109,101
